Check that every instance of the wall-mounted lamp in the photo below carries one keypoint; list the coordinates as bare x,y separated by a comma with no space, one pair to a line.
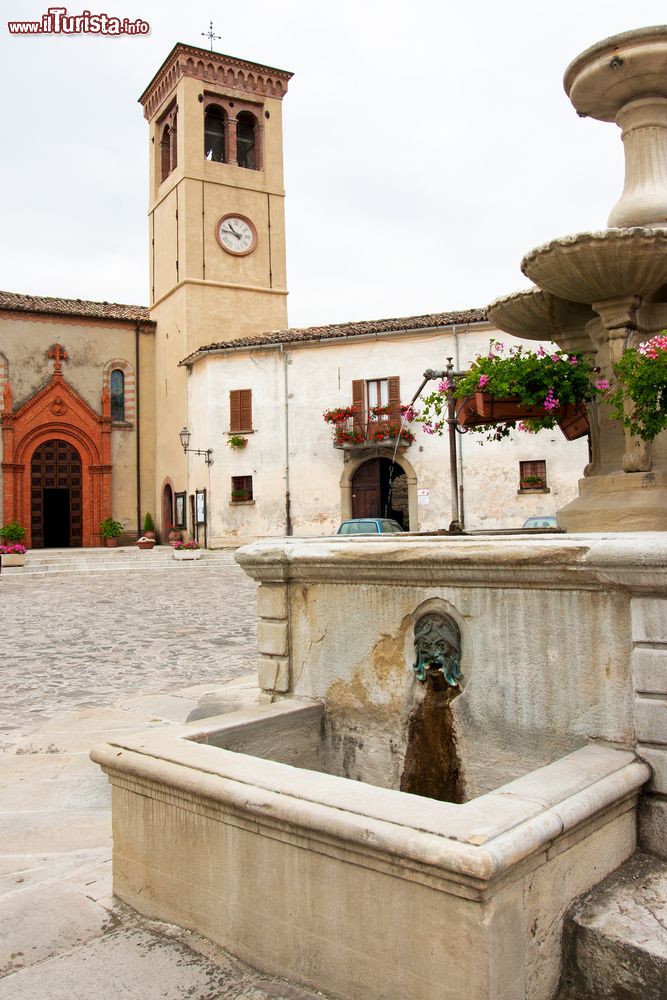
185,435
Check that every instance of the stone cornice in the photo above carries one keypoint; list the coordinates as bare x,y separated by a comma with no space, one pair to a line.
633,562
211,68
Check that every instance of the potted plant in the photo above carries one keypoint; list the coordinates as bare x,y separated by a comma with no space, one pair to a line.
240,495
149,528
343,436
110,531
506,388
184,551
174,535
338,414
12,532
531,483
145,543
639,399
13,555
237,441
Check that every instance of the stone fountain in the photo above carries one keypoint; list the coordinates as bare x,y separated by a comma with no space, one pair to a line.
453,736
599,293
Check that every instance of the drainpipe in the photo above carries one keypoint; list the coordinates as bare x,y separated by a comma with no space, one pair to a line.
459,437
288,506
137,425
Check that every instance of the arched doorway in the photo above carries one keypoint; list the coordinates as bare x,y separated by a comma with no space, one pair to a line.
55,496
167,509
380,489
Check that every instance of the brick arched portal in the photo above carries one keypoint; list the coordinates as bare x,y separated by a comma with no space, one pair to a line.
57,413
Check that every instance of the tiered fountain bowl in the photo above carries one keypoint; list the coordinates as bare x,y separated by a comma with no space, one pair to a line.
602,292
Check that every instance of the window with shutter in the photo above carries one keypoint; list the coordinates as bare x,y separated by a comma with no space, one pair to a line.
358,401
240,410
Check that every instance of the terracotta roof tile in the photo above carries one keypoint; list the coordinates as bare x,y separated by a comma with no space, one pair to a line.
15,302
343,331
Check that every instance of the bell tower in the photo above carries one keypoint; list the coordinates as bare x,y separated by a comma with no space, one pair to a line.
216,151
216,217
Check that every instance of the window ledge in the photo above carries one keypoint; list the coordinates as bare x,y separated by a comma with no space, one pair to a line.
240,503
534,489
231,433
122,425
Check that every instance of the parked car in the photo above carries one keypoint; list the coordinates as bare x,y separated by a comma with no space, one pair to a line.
369,526
541,521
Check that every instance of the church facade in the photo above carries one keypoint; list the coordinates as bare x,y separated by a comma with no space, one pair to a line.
190,410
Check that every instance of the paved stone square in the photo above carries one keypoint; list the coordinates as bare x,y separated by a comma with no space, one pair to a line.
86,654
87,639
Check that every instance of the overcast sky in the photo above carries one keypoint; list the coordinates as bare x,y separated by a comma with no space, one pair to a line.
428,145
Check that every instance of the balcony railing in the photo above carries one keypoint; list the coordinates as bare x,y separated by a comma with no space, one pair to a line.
384,429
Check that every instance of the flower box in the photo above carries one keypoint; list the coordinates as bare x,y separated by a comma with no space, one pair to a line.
187,554
13,559
510,408
574,421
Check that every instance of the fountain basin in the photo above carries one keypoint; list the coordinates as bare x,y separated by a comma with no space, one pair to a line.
357,890
596,267
535,314
609,74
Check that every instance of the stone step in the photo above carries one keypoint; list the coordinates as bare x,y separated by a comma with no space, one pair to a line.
122,559
615,938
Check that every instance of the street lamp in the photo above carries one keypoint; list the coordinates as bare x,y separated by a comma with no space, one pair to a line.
185,436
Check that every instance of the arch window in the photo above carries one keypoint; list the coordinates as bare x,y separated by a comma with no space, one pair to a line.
246,145
117,393
214,134
165,152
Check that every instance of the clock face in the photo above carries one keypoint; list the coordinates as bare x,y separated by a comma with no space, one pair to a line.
236,234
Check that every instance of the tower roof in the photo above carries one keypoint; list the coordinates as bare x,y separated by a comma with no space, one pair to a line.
213,68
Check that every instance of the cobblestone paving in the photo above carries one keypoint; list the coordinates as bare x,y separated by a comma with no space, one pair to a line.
81,639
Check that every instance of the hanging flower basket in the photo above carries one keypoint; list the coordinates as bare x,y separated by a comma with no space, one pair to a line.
574,421
513,387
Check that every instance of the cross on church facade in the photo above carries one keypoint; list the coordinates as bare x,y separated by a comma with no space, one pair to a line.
210,35
59,354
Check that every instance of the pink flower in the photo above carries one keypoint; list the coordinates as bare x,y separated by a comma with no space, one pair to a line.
483,379
498,347
573,360
541,353
602,384
551,403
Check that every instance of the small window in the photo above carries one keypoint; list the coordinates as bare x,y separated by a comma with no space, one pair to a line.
117,396
241,489
246,151
214,134
165,152
240,411
533,475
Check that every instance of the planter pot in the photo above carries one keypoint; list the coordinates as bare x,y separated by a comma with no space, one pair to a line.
574,421
150,534
111,543
13,559
185,554
175,536
146,543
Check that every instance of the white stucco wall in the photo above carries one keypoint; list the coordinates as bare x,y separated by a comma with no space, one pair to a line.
318,377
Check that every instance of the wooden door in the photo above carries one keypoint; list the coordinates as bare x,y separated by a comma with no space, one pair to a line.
55,496
366,492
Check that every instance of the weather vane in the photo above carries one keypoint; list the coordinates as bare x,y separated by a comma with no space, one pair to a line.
210,35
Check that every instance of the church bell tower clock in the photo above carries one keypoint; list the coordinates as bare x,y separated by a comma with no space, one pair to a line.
216,217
